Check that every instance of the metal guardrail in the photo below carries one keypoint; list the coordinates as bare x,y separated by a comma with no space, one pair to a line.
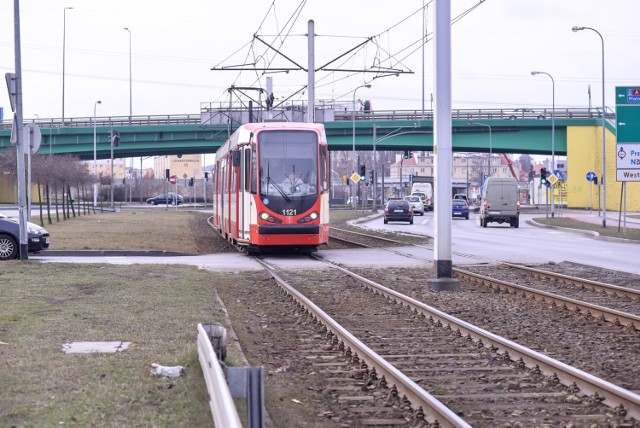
287,114
221,403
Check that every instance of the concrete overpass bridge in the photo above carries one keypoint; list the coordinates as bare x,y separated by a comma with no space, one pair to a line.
474,130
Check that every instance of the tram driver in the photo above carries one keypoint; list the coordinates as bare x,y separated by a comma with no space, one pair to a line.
293,184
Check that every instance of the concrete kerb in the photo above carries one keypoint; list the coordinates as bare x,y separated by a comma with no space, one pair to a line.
111,253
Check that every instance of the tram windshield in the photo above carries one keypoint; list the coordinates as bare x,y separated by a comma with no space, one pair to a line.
288,162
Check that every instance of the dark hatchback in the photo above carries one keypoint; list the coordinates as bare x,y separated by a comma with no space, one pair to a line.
37,238
398,211
166,199
460,208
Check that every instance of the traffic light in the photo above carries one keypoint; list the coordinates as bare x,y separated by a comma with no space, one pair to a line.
371,177
206,176
115,138
543,176
191,182
166,173
595,180
363,171
406,154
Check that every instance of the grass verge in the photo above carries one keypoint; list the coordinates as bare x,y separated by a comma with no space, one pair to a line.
156,308
609,231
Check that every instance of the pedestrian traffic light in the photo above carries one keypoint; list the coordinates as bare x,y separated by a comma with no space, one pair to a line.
595,180
371,178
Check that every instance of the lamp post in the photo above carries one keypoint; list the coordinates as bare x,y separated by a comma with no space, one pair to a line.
553,134
130,86
64,42
95,162
490,144
604,164
353,120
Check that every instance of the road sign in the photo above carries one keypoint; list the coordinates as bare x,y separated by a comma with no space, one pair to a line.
559,174
173,179
553,179
355,177
627,162
628,114
32,136
591,176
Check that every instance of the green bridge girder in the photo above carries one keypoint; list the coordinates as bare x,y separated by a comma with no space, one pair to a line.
507,136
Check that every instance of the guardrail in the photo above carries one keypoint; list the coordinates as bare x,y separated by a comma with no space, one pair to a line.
222,116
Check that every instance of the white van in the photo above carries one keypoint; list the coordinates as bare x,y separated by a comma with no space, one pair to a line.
500,202
425,192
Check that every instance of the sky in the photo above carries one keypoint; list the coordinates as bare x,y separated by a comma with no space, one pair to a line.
174,46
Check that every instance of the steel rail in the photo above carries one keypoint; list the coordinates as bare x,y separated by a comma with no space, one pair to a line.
611,315
612,395
432,408
581,282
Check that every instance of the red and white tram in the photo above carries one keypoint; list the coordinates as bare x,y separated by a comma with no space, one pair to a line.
271,187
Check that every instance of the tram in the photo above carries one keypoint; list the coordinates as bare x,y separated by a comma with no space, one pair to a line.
271,187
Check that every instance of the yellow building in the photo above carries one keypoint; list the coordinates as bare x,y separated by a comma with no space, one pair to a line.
584,154
103,168
182,166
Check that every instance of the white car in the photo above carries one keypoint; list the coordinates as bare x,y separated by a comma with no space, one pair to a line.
416,204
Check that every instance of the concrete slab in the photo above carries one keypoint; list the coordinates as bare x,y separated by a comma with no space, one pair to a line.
94,347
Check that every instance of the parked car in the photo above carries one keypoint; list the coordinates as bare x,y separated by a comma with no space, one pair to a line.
398,211
460,208
500,201
37,238
166,198
416,204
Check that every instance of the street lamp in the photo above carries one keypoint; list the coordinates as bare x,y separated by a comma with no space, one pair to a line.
553,133
95,162
490,144
353,120
130,87
64,42
604,164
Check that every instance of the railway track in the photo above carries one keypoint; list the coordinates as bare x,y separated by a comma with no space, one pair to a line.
486,379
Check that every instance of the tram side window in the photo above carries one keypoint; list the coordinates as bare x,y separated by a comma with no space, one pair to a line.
323,169
250,170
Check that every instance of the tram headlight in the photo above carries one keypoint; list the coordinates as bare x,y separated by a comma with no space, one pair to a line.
264,216
308,218
313,215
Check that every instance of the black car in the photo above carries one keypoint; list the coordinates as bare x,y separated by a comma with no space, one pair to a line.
166,199
398,211
37,238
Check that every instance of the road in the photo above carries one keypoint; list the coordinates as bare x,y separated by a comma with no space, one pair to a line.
527,244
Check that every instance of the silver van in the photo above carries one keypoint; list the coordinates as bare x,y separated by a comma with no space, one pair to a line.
500,201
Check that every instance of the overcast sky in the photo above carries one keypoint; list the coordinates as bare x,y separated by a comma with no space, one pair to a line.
176,43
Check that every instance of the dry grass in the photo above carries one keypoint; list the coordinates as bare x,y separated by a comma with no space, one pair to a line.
609,231
151,229
157,308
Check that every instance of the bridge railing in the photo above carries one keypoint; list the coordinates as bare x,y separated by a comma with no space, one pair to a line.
323,114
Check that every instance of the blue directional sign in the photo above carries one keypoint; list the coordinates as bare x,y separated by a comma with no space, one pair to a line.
591,176
410,178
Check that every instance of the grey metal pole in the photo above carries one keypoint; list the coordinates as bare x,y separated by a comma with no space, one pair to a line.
22,195
64,48
311,77
374,178
353,122
553,135
130,83
95,161
604,162
443,148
